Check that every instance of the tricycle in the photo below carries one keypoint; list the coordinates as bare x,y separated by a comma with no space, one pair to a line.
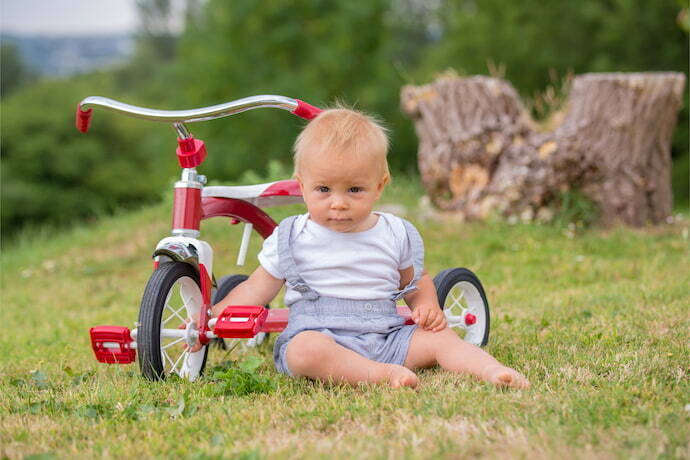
183,286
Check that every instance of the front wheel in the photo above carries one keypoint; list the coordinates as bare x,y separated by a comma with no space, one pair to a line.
172,295
462,298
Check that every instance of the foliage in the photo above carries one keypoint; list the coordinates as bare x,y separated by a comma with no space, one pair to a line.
156,43
683,19
680,177
274,171
575,208
156,33
239,379
531,38
51,173
13,72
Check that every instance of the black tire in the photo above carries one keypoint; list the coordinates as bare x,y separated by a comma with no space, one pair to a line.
471,298
225,285
171,276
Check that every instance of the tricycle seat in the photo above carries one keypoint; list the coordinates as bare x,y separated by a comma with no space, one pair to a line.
261,195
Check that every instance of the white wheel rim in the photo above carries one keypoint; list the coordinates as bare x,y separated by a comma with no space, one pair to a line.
465,298
184,300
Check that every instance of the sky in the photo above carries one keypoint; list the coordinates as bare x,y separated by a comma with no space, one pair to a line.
67,17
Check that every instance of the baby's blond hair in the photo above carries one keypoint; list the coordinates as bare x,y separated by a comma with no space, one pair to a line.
343,132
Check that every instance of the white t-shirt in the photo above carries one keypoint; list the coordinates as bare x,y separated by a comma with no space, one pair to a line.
356,265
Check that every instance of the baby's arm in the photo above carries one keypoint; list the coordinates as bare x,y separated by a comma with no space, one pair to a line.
259,289
423,302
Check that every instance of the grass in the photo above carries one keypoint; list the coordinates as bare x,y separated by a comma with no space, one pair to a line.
597,319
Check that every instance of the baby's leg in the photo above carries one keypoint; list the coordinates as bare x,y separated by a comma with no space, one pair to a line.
454,354
317,356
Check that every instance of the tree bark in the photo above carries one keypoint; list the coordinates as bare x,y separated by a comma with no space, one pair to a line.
480,152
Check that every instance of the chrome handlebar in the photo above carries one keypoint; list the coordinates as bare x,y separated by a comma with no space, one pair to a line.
297,107
187,116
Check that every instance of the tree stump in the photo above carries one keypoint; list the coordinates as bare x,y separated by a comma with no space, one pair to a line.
480,152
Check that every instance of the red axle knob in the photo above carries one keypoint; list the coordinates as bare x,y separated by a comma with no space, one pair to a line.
470,319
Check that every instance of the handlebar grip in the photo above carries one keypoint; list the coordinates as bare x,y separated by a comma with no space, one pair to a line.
306,111
83,119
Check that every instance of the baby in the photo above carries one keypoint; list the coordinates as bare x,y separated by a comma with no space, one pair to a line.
344,267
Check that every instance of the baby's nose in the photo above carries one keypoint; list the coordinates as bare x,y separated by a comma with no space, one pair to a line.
338,203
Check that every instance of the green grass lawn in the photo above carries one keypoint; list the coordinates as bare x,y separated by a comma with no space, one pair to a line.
597,319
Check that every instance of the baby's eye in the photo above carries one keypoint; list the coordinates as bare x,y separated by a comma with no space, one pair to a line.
323,189
355,189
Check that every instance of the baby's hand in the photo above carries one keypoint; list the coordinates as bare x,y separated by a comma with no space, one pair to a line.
429,317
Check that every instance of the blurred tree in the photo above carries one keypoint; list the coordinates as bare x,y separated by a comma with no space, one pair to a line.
683,18
53,174
156,45
310,49
13,72
157,36
533,37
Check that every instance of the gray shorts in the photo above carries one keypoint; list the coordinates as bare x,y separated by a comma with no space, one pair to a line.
372,328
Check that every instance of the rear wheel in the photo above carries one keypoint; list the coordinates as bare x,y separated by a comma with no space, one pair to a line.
172,295
463,300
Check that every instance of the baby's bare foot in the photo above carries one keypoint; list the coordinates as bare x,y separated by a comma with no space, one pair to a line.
400,376
503,376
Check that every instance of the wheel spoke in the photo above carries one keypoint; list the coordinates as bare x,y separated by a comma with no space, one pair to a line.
174,366
165,358
174,313
191,299
458,298
168,345
456,301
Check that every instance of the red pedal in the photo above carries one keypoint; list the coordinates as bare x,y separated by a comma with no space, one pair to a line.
240,322
112,344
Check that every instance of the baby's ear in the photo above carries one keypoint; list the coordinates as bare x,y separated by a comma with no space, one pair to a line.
384,180
299,181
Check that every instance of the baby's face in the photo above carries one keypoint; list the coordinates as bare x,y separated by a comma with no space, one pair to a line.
340,194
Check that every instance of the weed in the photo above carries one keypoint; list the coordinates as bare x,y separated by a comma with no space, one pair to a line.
574,208
39,379
240,379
